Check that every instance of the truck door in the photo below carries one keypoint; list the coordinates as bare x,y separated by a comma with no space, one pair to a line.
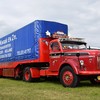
55,56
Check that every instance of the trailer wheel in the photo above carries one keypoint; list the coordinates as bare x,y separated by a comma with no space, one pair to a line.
68,78
27,75
18,74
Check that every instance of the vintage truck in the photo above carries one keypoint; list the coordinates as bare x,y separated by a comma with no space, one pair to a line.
43,49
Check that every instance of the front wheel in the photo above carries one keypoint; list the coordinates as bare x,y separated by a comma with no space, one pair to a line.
27,75
68,78
94,81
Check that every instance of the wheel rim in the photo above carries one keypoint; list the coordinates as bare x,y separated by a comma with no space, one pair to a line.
68,78
27,75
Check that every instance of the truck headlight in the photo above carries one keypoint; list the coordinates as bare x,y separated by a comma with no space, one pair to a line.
82,62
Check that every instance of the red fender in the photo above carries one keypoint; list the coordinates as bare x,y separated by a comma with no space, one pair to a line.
35,72
73,63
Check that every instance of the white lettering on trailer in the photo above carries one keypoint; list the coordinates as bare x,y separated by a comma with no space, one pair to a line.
5,55
5,46
3,41
22,52
8,50
8,39
14,37
1,52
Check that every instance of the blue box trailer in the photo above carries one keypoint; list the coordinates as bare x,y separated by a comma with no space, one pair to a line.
23,43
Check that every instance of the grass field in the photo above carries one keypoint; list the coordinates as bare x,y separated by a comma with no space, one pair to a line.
11,89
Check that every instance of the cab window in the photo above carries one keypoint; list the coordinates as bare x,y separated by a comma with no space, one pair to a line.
55,46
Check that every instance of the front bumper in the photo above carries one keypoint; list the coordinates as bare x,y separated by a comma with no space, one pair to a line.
89,73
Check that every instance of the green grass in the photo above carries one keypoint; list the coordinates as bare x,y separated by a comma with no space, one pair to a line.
46,90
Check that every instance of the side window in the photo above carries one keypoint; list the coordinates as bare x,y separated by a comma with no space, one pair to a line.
55,46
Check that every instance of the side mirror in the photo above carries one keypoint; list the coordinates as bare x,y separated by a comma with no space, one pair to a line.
89,47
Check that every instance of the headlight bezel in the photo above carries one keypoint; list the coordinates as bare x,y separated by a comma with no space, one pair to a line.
82,62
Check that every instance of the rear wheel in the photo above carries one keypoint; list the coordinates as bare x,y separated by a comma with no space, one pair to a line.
18,74
68,78
27,75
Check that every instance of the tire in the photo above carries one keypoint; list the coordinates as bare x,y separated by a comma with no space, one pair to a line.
27,75
94,81
18,75
68,78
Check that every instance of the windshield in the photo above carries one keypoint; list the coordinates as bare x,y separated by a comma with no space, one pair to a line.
73,45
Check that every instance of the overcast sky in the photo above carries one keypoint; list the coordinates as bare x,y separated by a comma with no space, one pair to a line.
81,16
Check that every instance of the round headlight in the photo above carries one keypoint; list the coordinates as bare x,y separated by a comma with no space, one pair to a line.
81,62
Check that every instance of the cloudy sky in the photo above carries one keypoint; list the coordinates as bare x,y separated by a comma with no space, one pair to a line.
81,16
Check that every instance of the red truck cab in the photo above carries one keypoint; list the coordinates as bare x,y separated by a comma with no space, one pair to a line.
72,61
